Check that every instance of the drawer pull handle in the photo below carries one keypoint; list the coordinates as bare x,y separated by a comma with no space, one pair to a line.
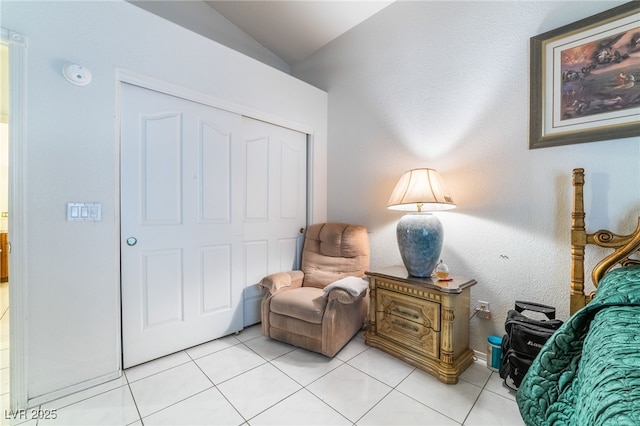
406,326
405,313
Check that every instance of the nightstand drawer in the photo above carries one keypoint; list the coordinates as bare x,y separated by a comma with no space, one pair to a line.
409,334
419,311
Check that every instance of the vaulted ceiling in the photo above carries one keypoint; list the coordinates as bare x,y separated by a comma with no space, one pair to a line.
294,30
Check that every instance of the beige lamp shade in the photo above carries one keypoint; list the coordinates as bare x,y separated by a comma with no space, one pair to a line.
420,190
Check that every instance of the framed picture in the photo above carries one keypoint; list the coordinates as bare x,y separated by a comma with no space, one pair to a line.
585,80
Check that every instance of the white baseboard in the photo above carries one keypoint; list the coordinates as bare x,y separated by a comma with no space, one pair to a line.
480,355
51,396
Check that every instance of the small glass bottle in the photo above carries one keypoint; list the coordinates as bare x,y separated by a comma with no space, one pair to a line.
442,271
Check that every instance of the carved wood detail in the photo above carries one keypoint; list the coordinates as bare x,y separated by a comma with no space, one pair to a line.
624,246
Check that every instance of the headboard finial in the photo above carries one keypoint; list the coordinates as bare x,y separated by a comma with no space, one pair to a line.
578,242
578,176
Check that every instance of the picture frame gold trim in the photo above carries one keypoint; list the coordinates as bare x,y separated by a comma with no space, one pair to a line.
554,121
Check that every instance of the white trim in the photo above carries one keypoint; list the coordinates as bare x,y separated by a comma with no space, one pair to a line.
482,356
52,396
17,225
144,81
117,213
310,179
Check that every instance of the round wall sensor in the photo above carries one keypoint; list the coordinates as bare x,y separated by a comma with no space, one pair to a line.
76,74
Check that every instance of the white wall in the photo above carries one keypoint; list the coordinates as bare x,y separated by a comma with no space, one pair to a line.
72,286
4,134
206,21
446,85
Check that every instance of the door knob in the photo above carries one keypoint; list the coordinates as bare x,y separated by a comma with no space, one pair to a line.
131,241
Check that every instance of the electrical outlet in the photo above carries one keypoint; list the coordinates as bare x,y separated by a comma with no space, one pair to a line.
484,310
485,315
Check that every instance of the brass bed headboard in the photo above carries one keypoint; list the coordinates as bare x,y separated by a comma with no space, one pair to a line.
623,245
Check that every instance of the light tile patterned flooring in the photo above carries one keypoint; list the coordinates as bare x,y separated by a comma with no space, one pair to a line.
246,379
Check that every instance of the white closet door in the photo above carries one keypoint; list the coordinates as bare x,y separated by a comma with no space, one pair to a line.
181,223
275,204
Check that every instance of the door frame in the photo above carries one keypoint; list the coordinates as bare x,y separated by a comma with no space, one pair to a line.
124,76
17,44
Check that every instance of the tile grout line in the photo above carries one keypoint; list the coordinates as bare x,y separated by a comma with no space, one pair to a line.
303,387
267,361
408,396
343,362
215,387
420,402
472,406
190,360
157,372
135,403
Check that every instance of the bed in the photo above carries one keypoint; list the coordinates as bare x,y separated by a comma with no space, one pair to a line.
588,372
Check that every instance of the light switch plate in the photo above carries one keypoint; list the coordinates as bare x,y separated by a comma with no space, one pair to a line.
84,212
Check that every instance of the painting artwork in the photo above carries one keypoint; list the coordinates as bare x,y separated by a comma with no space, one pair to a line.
585,80
600,76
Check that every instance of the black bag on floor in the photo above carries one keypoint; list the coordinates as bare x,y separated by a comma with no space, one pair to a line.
524,339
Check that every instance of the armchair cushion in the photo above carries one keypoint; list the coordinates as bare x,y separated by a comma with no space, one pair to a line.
305,303
332,251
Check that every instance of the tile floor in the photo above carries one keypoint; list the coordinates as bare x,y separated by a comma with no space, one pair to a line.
246,379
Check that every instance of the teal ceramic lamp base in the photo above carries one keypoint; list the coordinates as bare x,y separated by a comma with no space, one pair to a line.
420,237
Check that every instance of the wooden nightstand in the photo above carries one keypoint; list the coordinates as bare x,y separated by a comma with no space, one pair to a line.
422,321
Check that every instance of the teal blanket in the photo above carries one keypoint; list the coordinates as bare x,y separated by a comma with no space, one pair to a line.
588,372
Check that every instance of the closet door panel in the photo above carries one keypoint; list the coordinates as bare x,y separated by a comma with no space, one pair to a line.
257,192
215,174
181,224
276,204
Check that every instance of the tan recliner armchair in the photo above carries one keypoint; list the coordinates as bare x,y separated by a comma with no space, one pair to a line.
295,307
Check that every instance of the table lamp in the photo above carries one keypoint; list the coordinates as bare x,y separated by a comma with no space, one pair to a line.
420,235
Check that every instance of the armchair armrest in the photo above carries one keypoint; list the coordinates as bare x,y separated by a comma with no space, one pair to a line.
280,280
343,296
347,290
